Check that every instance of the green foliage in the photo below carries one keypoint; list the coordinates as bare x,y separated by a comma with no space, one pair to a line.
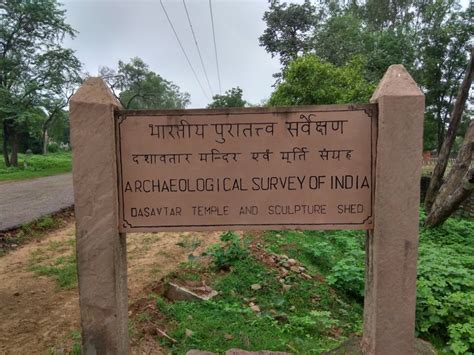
63,268
34,67
226,254
339,255
288,31
141,88
430,38
445,285
301,320
308,80
32,166
76,337
231,98
53,147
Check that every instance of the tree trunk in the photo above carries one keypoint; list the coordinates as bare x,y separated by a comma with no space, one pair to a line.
14,155
443,156
5,145
459,184
45,141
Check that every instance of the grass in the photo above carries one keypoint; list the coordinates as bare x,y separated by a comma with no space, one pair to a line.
307,318
310,316
36,166
56,260
34,230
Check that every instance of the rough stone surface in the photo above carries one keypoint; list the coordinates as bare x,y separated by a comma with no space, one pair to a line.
175,292
391,249
101,250
24,201
352,347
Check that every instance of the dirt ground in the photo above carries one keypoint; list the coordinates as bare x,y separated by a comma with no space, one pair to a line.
36,317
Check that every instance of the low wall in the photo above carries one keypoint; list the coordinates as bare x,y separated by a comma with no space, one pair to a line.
466,210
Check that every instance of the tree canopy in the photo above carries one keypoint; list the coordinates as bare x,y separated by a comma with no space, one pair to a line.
429,37
34,66
309,80
139,87
231,98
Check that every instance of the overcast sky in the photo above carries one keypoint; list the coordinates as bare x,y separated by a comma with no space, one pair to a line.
113,30
110,31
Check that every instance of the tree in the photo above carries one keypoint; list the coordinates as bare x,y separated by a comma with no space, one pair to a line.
137,87
432,193
33,64
289,29
459,184
429,37
310,81
231,98
55,103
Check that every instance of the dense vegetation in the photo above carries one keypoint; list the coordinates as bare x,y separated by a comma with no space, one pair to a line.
33,165
303,315
430,38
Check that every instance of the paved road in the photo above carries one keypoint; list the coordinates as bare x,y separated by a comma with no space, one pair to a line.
24,201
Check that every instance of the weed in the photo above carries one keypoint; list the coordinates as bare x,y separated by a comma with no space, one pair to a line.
231,250
44,261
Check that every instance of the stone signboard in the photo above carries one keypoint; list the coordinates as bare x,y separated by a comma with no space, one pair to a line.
304,168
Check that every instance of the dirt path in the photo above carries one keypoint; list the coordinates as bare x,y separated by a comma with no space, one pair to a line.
24,201
38,318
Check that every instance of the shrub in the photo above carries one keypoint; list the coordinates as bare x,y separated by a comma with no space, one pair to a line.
225,254
53,147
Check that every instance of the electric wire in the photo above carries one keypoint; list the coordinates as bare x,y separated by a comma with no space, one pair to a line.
215,47
197,47
184,52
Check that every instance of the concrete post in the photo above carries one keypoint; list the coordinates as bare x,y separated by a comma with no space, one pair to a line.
101,249
391,248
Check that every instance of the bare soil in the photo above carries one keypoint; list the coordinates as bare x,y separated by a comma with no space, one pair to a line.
36,317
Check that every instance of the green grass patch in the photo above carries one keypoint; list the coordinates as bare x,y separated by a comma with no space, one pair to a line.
34,230
33,166
316,315
445,285
57,260
308,318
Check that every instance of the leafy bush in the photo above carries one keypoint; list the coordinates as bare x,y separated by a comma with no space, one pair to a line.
340,255
445,285
225,254
53,147
445,282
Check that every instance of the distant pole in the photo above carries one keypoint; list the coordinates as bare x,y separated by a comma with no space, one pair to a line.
392,246
101,249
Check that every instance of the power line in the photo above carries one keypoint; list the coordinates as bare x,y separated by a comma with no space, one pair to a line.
197,46
184,52
215,47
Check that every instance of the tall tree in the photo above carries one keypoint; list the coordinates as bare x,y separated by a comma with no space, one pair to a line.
289,29
309,80
32,63
459,184
138,87
231,98
456,115
56,101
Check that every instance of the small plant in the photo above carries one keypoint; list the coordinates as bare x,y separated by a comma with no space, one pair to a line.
231,250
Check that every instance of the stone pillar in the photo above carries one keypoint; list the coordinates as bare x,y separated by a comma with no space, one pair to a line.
391,248
101,249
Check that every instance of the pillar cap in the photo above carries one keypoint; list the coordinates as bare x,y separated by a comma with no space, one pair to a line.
94,90
396,82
